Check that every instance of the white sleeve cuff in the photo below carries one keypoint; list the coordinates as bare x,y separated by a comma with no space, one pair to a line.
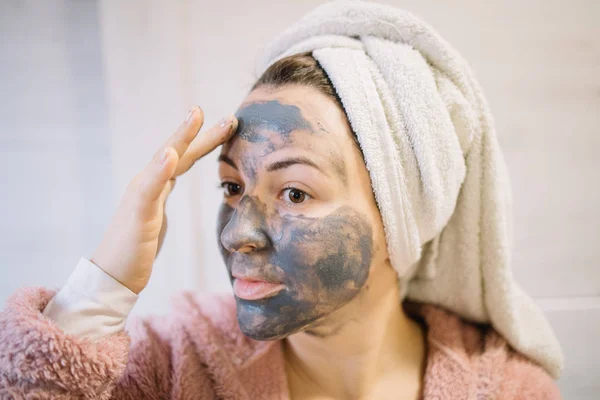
92,304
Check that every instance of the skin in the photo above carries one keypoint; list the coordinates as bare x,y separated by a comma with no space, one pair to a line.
298,209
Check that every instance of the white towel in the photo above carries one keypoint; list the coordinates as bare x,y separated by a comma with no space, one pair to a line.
436,168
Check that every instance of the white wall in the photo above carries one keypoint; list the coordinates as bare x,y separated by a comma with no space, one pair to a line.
54,147
90,90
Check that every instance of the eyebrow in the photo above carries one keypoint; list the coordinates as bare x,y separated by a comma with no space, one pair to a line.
227,160
295,160
281,164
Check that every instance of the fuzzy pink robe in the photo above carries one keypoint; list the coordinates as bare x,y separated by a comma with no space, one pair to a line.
199,352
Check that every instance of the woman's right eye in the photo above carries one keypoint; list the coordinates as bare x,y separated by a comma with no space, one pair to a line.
231,189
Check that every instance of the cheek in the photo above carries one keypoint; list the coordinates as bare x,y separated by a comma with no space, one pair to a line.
327,258
324,262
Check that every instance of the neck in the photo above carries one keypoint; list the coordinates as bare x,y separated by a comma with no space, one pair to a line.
366,348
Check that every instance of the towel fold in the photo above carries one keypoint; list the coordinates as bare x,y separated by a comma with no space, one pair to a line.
436,169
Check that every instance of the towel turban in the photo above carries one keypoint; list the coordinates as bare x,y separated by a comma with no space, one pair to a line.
435,165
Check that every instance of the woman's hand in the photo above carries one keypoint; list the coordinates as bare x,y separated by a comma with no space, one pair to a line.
134,237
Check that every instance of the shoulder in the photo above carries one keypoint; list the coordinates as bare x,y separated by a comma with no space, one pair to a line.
207,324
528,380
478,356
179,352
210,313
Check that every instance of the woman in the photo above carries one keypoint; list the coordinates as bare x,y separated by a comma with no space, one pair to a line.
309,233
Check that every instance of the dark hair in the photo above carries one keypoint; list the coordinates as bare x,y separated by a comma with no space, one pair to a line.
302,69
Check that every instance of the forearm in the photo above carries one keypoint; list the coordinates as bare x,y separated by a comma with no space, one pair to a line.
92,304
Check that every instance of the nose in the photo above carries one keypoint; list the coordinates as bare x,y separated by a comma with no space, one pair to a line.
245,231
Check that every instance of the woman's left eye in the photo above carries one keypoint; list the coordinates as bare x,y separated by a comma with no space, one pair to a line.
294,195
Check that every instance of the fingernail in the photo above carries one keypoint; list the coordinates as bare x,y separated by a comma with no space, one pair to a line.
227,122
190,115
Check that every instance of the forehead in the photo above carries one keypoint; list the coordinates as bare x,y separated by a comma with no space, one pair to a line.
290,119
257,119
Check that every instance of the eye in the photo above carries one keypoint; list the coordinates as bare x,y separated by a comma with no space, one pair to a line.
294,195
231,189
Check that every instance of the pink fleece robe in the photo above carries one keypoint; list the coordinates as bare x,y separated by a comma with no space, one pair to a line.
199,352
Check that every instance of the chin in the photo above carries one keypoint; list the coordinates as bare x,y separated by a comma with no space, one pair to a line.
263,320
262,335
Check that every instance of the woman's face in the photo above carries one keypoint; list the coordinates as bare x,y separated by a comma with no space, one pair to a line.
298,212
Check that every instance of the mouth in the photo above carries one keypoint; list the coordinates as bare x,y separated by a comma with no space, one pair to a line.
251,288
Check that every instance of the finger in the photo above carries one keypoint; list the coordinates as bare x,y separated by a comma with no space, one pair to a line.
169,186
186,132
207,142
162,234
161,205
156,175
159,170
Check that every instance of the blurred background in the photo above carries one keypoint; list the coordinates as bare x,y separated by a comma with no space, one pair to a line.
90,89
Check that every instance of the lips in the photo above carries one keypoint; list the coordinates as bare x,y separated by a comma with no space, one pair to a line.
255,278
253,289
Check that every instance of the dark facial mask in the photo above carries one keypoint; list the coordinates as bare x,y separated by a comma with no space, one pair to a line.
323,262
271,116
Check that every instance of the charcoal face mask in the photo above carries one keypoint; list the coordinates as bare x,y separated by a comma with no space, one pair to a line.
323,262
